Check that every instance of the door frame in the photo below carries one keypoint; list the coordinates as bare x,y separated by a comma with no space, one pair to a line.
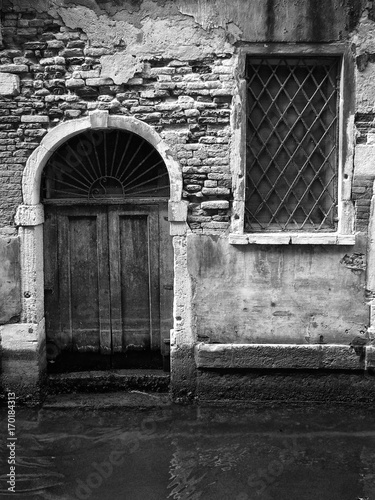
30,218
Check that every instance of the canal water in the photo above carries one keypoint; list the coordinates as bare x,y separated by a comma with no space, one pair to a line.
306,452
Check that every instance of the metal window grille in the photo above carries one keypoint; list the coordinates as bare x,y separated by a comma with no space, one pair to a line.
291,144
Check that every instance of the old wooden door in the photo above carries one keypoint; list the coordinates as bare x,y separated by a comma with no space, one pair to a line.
108,285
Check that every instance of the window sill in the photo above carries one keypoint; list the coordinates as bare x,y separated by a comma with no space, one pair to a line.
291,239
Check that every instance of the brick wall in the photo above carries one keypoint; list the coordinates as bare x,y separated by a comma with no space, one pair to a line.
59,77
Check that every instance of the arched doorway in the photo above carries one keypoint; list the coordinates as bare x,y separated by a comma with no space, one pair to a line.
108,256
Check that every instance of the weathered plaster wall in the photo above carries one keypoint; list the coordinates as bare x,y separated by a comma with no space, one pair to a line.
275,20
10,285
276,294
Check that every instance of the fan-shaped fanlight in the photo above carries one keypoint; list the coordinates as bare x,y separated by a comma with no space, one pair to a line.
105,164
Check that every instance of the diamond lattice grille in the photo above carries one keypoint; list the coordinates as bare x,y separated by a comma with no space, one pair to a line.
291,180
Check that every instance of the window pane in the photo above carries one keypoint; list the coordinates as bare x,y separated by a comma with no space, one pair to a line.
291,181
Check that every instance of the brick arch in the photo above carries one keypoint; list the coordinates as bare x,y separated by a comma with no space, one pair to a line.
96,120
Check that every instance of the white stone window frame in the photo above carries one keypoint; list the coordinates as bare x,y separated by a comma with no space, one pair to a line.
345,227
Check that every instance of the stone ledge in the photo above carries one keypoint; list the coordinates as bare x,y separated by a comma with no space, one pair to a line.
108,381
291,239
278,356
133,399
249,387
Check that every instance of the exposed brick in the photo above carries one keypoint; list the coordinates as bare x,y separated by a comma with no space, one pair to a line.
9,119
35,45
34,119
14,68
74,83
40,132
96,82
96,51
50,61
193,188
55,44
215,191
215,225
73,52
162,71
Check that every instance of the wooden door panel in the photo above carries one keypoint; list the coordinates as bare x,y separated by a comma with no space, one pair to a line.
63,263
103,264
83,282
135,281
83,287
134,278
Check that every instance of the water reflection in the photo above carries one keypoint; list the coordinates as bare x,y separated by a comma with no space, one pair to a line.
179,453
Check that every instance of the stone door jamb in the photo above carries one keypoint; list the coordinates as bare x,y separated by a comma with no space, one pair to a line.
30,215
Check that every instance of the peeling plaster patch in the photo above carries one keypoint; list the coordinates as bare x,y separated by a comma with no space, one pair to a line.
181,39
364,38
40,6
131,11
175,38
154,9
10,305
234,30
364,160
120,67
261,20
101,31
90,4
365,84
217,14
355,262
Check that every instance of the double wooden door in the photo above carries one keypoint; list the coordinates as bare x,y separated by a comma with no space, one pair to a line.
108,285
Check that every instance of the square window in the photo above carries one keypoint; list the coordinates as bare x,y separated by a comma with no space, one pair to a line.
292,144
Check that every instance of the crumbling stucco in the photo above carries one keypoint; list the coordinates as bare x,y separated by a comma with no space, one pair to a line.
363,43
168,38
120,67
275,294
10,285
276,20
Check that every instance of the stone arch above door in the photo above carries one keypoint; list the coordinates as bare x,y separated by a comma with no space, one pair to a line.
97,120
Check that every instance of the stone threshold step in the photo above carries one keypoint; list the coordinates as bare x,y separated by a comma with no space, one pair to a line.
132,400
109,381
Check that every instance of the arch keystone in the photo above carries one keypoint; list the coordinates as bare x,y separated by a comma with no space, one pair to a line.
99,119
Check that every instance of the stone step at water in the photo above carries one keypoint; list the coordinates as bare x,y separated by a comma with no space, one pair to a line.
109,381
